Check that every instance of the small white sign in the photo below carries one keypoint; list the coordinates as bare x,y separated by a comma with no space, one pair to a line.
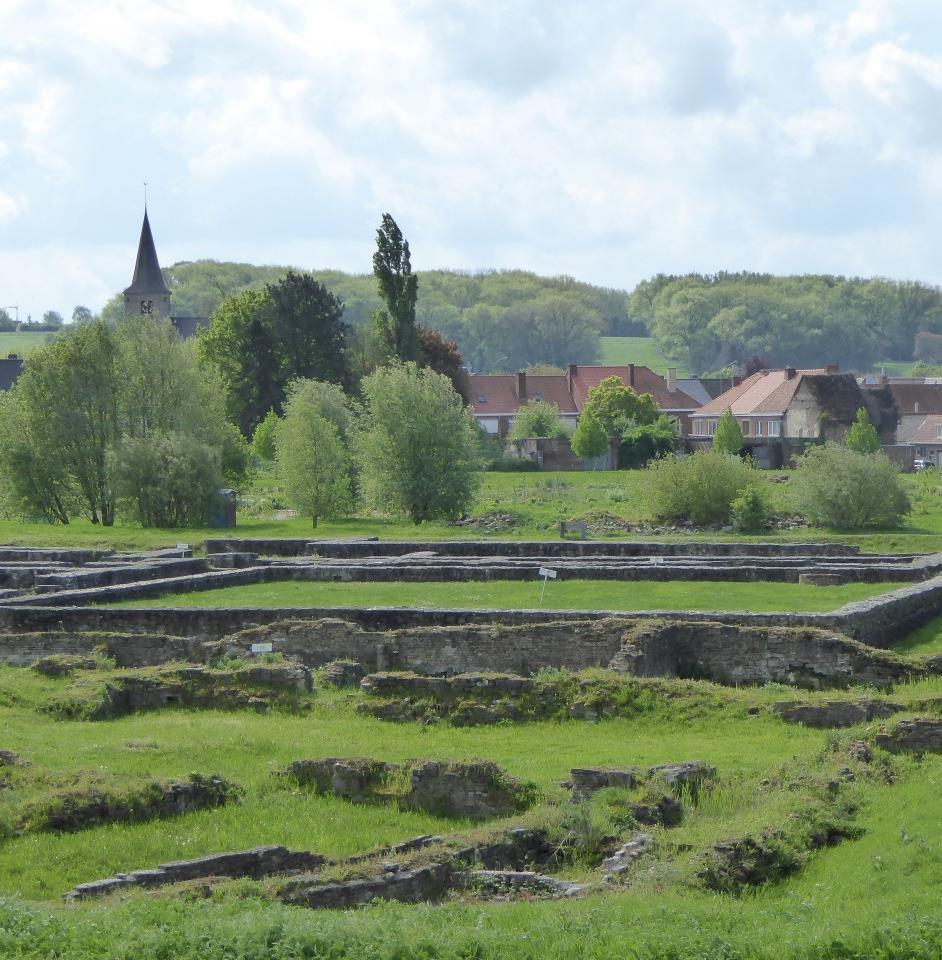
546,572
262,647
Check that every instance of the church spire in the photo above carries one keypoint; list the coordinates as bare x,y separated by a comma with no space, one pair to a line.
147,277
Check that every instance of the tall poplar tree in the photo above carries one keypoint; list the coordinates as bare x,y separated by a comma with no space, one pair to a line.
399,289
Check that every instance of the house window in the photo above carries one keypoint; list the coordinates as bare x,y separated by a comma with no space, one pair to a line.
758,428
711,427
774,428
745,427
938,430
698,428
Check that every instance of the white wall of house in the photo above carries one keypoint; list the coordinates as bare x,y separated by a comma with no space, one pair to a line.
803,416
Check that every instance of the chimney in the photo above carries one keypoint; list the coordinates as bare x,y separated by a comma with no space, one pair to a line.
631,375
672,379
522,385
789,373
737,381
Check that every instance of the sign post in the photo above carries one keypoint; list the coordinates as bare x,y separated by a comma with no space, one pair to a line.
546,574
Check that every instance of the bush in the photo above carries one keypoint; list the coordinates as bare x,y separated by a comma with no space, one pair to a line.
418,445
701,487
512,465
750,511
167,481
537,418
263,440
837,487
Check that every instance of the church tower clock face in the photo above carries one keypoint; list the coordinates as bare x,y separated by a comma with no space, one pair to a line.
147,306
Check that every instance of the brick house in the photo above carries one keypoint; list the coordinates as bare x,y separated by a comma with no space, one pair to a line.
915,401
926,441
781,411
495,398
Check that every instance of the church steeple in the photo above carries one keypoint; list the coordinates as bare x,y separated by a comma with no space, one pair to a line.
148,293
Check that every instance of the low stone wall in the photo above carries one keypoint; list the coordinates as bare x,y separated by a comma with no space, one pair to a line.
350,548
127,649
729,654
255,863
522,649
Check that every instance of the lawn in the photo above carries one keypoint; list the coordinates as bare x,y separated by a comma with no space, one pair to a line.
247,748
894,868
642,351
23,344
925,641
515,594
529,505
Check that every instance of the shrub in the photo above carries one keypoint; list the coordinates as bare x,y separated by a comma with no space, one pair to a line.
263,440
838,487
418,446
701,487
646,441
728,435
590,439
537,418
862,436
750,511
167,481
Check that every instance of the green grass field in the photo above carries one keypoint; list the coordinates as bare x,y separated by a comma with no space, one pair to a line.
765,766
22,344
513,594
535,502
643,351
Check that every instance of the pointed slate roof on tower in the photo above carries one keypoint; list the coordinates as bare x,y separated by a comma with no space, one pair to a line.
147,276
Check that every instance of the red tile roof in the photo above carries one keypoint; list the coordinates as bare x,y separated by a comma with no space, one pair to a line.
768,391
569,392
640,379
501,395
929,431
928,396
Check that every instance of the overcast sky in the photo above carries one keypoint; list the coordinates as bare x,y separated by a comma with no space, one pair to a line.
605,140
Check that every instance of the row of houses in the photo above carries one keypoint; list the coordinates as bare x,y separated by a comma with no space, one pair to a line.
780,411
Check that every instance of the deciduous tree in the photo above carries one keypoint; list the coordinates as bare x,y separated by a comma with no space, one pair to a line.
728,436
590,439
313,461
862,436
398,289
418,446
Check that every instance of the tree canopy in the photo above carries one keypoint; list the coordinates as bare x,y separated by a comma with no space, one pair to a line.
618,408
728,436
418,447
538,418
862,436
398,289
261,340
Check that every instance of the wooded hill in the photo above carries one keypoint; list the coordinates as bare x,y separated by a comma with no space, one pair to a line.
505,320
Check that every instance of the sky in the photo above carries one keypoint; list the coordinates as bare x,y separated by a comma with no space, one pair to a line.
603,140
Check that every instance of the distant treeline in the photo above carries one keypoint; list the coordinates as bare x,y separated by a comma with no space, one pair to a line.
505,320
502,320
711,321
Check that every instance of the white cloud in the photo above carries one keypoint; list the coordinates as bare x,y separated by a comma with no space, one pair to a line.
609,141
11,206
